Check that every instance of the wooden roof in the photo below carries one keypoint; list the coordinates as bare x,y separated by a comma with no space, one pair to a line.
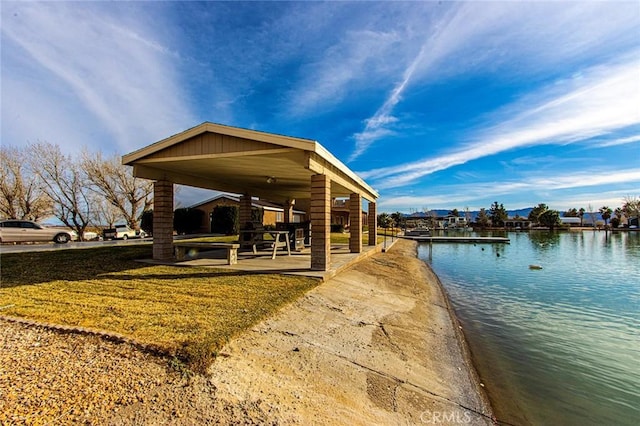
231,159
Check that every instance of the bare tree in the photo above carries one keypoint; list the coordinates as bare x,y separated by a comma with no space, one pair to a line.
631,206
115,182
104,213
21,196
65,183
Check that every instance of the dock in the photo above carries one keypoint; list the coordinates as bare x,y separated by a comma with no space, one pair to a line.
440,239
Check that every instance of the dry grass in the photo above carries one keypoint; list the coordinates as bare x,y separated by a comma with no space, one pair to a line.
186,311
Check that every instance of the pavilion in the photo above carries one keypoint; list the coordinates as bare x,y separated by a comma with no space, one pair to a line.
282,169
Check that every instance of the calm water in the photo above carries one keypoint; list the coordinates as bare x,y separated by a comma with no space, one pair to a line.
560,345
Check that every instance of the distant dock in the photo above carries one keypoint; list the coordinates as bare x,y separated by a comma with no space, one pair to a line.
439,239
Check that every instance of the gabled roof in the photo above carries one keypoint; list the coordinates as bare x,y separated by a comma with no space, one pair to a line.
236,160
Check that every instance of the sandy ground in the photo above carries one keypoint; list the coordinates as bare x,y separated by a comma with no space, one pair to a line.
374,345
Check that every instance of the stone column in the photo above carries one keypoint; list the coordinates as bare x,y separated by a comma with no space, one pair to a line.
373,223
163,220
355,219
320,223
244,213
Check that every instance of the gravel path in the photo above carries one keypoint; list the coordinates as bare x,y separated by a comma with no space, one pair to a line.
48,377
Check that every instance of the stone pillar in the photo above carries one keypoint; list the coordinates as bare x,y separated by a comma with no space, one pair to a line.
355,219
373,223
288,211
244,213
320,223
163,220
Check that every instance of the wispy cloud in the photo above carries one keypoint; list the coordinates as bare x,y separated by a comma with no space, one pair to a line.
619,141
102,64
601,100
529,37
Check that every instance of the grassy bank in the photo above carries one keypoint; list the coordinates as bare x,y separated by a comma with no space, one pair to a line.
185,311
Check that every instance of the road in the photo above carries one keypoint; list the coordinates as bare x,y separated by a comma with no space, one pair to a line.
24,248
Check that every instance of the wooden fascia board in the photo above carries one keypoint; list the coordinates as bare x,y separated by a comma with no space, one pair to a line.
220,155
331,159
319,165
285,141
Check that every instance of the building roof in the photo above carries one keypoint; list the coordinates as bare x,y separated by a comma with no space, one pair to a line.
232,159
254,203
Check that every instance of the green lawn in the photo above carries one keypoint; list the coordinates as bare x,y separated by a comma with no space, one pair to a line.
188,312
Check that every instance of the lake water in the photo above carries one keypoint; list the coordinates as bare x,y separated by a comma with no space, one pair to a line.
558,345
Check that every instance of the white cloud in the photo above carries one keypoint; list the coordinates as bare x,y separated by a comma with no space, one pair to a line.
529,38
619,141
603,99
103,66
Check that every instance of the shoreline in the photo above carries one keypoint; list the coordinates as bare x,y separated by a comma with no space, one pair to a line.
470,360
378,343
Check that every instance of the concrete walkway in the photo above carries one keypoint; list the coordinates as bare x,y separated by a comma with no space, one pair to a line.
374,345
299,263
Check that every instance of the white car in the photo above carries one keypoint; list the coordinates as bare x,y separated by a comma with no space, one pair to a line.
20,231
88,235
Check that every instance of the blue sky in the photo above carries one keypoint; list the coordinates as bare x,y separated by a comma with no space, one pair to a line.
436,104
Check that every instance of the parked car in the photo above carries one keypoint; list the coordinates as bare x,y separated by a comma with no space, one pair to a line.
122,232
88,235
18,231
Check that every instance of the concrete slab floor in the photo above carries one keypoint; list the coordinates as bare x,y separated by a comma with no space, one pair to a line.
299,263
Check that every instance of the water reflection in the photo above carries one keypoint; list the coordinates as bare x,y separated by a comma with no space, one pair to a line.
561,343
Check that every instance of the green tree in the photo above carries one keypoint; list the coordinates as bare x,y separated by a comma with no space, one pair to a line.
581,213
534,214
482,219
498,214
550,219
573,212
454,212
605,212
384,220
398,219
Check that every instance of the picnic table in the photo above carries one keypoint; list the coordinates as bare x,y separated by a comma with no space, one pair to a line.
255,237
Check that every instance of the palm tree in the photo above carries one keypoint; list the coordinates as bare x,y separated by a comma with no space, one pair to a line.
606,213
581,214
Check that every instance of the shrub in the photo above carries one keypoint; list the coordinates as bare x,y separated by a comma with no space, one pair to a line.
337,227
187,221
224,220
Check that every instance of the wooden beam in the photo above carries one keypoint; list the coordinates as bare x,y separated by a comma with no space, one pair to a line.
318,165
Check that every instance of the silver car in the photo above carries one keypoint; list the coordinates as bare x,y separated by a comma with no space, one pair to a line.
19,231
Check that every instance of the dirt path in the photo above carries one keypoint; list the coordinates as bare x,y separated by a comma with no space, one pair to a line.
374,345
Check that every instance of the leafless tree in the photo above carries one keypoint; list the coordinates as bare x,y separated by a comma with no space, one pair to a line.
631,206
21,196
130,196
65,183
104,213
